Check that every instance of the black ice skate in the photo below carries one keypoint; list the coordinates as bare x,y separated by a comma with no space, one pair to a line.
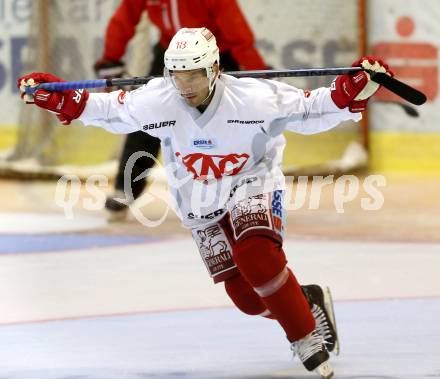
321,305
117,210
313,354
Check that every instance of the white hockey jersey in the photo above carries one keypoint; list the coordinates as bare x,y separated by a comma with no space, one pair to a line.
231,150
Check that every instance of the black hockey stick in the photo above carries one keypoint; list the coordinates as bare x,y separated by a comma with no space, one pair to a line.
394,85
407,108
401,89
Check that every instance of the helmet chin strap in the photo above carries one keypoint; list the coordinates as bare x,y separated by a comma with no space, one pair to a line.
211,85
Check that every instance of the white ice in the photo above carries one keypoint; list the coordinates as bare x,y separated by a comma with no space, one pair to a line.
150,311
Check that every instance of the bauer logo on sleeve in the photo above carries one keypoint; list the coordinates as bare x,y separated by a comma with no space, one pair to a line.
158,125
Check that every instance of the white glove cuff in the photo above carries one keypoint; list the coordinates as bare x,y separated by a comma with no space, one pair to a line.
371,87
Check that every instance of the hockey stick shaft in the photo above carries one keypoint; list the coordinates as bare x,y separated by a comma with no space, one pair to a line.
119,82
396,86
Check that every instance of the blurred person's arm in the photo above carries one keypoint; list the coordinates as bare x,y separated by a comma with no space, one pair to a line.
121,28
236,34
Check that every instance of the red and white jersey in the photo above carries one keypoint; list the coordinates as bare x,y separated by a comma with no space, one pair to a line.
232,150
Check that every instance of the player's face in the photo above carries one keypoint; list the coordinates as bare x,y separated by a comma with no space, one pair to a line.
193,86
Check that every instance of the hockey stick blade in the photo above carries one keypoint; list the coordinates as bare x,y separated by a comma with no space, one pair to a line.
401,89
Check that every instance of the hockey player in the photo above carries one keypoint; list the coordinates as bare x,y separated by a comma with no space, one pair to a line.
222,146
237,51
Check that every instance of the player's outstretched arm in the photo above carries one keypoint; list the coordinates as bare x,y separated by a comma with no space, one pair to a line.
104,110
325,108
67,105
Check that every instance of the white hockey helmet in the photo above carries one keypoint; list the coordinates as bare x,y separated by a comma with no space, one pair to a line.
192,49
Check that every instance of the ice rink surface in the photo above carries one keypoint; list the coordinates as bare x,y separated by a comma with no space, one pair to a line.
80,299
146,309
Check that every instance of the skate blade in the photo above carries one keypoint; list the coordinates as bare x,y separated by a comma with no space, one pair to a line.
325,370
328,303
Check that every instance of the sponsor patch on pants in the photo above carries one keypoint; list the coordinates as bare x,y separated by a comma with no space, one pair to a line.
258,213
215,250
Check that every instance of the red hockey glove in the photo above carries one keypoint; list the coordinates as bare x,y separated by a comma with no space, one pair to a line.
67,105
353,91
109,69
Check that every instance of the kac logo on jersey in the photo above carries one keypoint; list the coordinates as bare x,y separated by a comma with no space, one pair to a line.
204,166
202,143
